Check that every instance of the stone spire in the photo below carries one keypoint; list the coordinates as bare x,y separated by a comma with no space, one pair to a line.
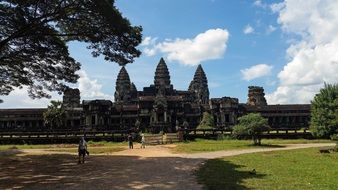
256,96
199,85
162,77
133,87
122,88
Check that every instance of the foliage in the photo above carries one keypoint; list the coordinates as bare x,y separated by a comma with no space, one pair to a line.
292,169
55,114
207,121
33,37
324,112
335,138
253,125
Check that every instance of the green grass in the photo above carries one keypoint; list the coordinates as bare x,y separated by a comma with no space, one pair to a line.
94,147
93,150
102,147
293,169
25,146
202,145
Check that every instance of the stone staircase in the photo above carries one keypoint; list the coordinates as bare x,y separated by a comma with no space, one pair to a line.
155,139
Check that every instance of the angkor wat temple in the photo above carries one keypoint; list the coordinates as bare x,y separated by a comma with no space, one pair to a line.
158,107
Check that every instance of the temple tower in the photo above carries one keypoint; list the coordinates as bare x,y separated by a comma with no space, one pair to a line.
71,98
133,90
123,86
199,85
256,96
162,77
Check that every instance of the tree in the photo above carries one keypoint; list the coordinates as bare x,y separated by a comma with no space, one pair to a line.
324,112
34,33
55,114
207,121
253,125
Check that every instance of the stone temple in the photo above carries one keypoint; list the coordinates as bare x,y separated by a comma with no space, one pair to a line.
158,107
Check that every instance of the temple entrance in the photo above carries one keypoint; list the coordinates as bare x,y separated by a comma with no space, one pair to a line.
160,117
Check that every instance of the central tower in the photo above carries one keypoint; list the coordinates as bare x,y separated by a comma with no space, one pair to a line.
162,77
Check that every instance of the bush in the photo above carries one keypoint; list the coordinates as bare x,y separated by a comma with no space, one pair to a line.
251,125
324,112
222,137
335,138
207,122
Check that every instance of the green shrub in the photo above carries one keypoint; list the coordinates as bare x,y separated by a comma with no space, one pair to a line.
335,138
324,112
207,122
251,125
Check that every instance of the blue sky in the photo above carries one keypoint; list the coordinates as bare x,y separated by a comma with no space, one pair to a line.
238,42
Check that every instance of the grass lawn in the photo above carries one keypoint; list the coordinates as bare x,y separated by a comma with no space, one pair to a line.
202,145
93,147
293,169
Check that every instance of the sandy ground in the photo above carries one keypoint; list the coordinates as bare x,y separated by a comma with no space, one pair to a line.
152,168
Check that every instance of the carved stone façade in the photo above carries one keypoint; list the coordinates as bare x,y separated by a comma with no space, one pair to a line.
158,107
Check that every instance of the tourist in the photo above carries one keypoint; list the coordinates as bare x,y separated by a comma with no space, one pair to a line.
164,138
82,149
130,141
143,141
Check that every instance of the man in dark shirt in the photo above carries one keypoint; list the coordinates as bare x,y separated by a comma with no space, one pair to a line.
130,141
82,149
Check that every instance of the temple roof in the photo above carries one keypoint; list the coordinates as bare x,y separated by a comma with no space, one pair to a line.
162,77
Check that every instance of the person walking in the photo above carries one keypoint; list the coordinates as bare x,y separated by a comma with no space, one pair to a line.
164,138
143,141
82,149
130,141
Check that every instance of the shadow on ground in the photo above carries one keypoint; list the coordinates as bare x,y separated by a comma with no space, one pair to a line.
221,174
58,171
10,152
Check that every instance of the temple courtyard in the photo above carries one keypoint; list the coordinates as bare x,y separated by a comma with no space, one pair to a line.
156,167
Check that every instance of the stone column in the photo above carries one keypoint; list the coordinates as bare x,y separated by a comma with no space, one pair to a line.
165,116
155,117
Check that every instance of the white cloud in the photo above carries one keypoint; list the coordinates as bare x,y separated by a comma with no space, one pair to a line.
270,29
89,88
248,29
145,41
276,7
19,99
259,3
256,71
314,57
150,51
205,46
148,41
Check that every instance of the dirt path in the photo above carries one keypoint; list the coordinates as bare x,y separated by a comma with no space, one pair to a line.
152,168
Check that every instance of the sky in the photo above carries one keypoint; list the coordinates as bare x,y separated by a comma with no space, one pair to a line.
289,47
